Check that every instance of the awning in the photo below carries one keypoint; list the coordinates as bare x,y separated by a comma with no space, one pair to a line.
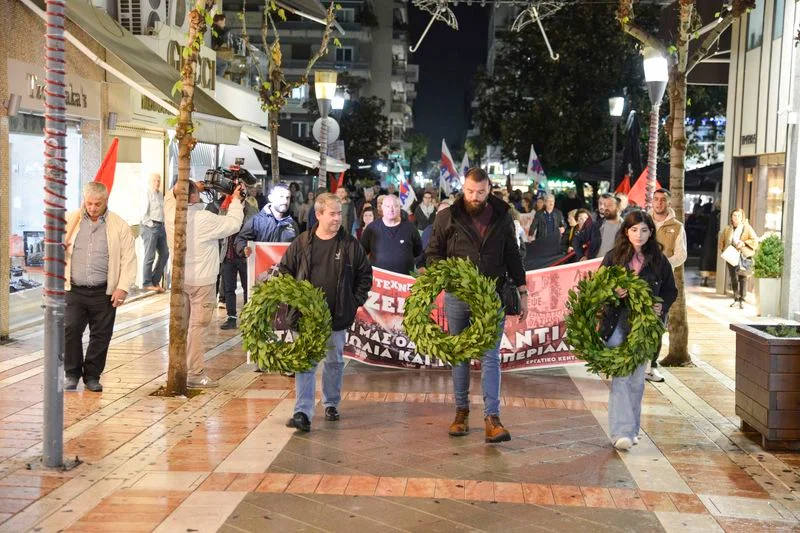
292,151
214,123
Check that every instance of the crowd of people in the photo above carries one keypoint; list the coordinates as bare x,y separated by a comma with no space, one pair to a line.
335,240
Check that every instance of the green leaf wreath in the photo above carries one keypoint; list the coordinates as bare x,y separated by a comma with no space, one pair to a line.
461,278
585,312
256,323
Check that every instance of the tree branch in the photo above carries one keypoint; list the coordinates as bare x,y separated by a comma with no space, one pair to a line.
736,10
645,38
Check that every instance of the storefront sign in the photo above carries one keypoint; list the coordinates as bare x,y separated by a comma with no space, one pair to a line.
28,81
749,139
206,68
377,335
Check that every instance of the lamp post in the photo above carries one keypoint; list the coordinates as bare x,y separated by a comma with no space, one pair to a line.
616,105
656,75
325,90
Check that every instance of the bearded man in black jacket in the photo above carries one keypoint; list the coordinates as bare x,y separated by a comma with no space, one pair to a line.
478,227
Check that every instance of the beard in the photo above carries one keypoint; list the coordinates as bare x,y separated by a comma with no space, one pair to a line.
474,210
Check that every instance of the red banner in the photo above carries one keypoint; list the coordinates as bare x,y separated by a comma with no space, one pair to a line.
377,335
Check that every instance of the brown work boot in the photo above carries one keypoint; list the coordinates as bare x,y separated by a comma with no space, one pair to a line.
460,425
495,432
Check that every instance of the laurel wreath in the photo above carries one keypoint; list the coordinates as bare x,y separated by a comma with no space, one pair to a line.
461,278
586,309
256,325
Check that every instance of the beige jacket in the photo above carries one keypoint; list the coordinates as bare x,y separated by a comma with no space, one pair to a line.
671,234
121,251
749,238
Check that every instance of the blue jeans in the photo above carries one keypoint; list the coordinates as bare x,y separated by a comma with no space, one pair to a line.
625,404
305,382
458,316
155,240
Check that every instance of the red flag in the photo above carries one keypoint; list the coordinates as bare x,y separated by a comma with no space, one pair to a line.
625,185
105,174
636,194
338,183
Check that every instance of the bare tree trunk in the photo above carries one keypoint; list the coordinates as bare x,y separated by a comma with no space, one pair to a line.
176,374
678,322
273,140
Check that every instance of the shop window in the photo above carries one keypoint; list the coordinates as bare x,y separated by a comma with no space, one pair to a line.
755,26
344,54
777,19
773,213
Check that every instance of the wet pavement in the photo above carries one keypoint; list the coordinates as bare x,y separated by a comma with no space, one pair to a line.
224,461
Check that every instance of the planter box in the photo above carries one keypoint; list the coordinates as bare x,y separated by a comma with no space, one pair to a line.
768,386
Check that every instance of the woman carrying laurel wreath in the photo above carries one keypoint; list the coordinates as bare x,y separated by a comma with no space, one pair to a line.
636,249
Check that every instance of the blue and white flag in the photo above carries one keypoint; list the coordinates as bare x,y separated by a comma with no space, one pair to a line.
536,171
449,179
407,194
464,167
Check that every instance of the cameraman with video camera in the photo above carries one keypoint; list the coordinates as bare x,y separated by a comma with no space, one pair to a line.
203,231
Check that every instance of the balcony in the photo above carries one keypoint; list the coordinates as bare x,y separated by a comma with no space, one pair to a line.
412,73
297,67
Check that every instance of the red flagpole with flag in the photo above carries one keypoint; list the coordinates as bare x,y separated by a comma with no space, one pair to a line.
105,174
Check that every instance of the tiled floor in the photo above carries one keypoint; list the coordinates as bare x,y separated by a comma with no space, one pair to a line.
224,461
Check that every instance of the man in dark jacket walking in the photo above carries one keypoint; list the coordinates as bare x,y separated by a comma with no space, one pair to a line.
272,224
334,261
478,227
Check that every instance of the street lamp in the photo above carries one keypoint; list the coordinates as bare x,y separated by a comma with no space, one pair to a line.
616,105
656,75
325,90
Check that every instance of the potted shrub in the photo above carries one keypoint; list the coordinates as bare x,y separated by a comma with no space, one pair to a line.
767,269
768,382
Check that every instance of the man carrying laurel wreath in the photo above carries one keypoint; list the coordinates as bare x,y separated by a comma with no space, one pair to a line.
333,260
478,227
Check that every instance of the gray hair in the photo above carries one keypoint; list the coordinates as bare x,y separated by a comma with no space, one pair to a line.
550,197
95,188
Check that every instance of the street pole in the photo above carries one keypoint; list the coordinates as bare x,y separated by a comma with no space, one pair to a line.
615,122
325,91
616,105
55,129
656,74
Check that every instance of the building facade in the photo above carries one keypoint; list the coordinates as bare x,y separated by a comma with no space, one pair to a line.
761,147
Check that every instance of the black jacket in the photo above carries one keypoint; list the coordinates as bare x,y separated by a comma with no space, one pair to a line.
495,255
585,241
538,227
354,274
420,220
661,282
264,227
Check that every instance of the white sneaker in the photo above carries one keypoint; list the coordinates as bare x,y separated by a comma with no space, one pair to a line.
623,443
201,382
635,441
654,375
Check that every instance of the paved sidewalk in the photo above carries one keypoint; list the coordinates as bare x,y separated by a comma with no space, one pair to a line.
224,461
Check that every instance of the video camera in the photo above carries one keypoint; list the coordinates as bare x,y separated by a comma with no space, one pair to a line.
226,180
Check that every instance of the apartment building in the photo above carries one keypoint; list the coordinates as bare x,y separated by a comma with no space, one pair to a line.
373,54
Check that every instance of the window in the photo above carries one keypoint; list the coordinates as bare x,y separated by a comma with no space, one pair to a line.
755,26
344,54
301,51
301,130
346,14
300,93
777,19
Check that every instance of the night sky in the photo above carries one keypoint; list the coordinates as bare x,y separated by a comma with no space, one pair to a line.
448,61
